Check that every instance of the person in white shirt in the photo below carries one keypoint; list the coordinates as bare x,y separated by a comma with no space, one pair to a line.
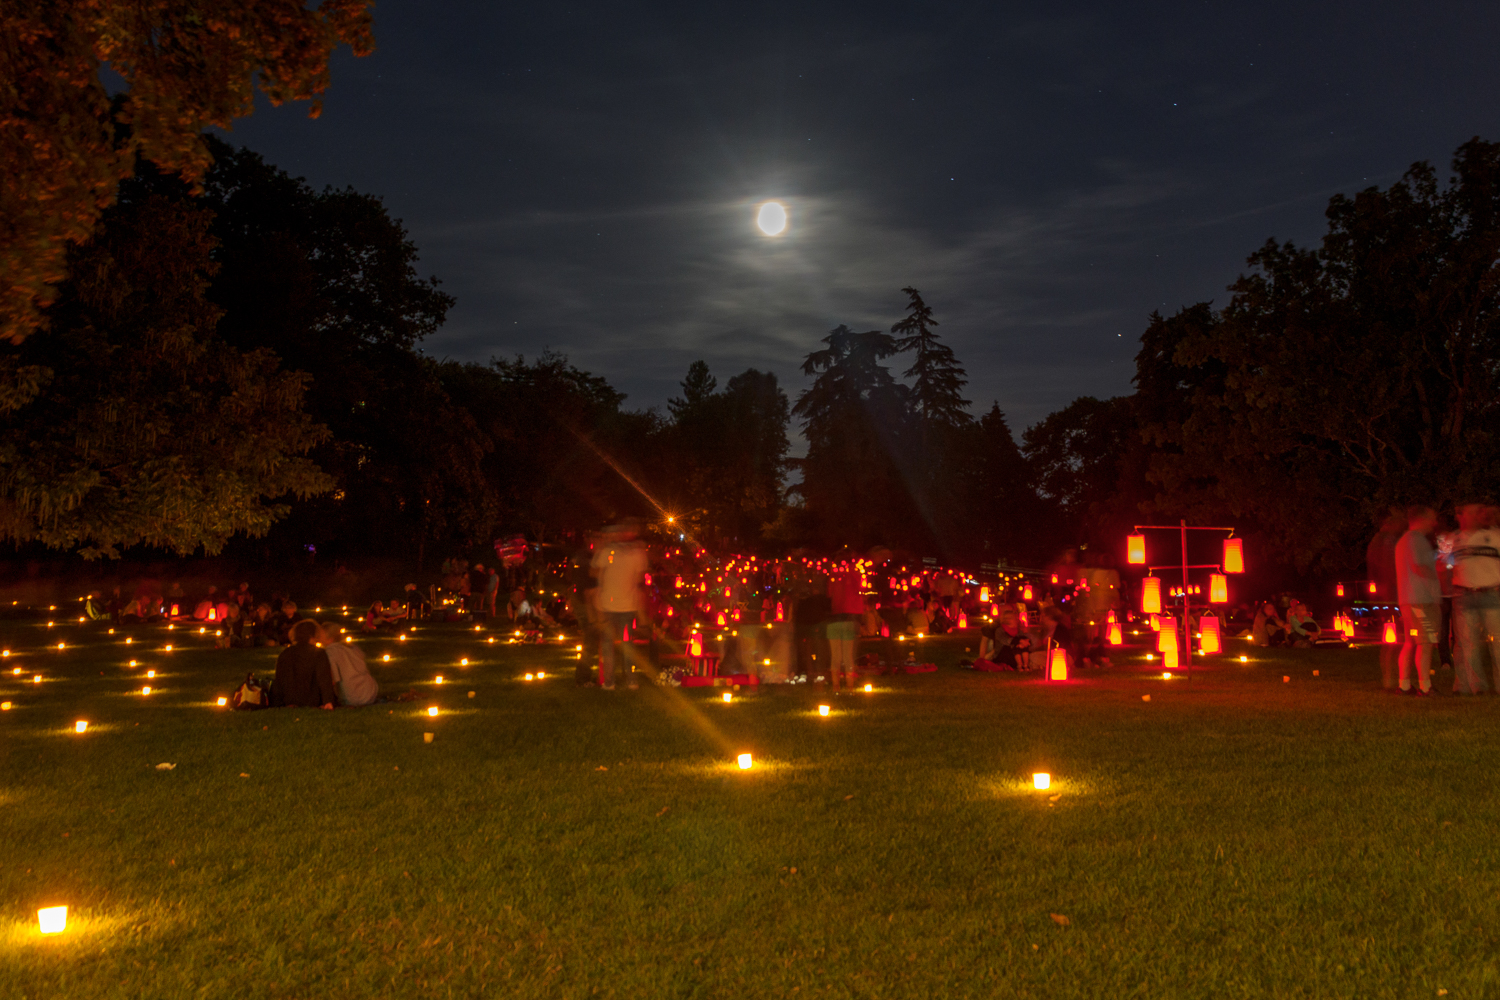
351,675
620,565
1420,597
1476,598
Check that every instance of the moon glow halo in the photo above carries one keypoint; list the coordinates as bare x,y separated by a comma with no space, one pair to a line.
772,218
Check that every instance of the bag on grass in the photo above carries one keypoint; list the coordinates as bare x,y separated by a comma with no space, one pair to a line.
250,695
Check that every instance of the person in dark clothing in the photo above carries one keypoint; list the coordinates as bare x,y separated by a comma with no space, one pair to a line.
581,574
304,677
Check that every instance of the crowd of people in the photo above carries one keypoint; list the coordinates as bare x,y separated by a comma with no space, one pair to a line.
1447,581
683,610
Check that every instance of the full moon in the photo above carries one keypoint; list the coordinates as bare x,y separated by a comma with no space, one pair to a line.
772,218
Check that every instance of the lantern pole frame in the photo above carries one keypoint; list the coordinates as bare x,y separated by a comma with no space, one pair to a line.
1182,528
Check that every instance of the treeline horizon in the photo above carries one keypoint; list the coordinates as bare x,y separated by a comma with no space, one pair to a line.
238,369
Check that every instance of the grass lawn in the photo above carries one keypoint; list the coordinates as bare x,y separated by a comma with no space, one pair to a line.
1239,837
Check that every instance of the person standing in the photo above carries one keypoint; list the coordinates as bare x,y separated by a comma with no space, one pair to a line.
492,591
1476,598
843,627
1420,597
620,565
581,570
1380,563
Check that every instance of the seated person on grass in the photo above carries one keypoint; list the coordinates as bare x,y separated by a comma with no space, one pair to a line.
917,621
1268,629
1302,631
260,627
1012,643
304,677
870,622
346,664
283,622
379,619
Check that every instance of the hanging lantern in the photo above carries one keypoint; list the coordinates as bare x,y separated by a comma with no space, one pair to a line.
1338,591
1372,586
1349,627
779,615
984,595
1151,595
963,620
994,611
1116,634
1218,588
695,645
679,583
1111,619
1136,550
211,613
719,621
1026,593
1211,636
735,614
1054,577
1234,555
1057,667
1389,635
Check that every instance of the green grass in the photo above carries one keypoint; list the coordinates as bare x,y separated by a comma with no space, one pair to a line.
1239,837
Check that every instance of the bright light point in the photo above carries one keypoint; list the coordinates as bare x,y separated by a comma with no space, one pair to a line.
540,674
151,673
386,658
432,711
403,638
128,640
4,706
132,663
1244,659
823,711
772,218
1041,781
728,697
145,690
37,679
80,726
223,702
1166,676
464,662
530,677
744,762
869,688
52,919
440,678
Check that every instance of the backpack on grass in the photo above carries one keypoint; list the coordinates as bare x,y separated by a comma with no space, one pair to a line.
250,695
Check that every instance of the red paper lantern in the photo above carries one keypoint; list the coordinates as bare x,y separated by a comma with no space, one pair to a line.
984,595
1372,590
720,620
695,645
1136,550
1026,593
1218,588
1151,595
1389,635
1234,555
1338,591
1116,634
963,620
780,616
1057,666
1212,640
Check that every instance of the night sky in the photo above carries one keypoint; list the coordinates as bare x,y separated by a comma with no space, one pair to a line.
585,177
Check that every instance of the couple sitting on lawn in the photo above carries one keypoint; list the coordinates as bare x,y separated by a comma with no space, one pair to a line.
317,670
